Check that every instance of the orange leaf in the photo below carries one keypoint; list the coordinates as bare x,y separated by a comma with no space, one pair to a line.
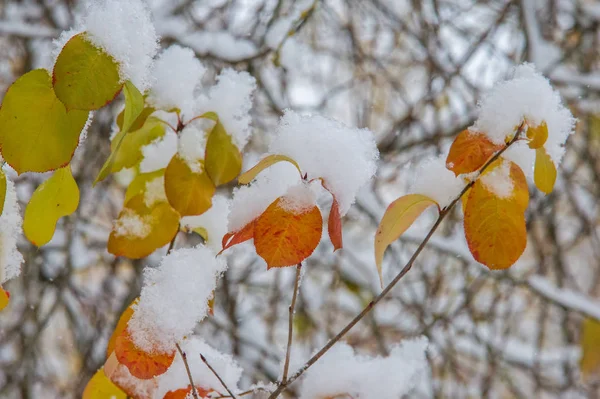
140,229
100,387
264,163
334,225
189,192
231,239
120,327
544,172
537,135
469,152
285,237
398,217
183,393
141,364
495,227
4,298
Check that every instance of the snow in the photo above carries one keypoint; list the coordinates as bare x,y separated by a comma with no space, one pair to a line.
528,95
192,142
231,99
214,221
159,152
174,298
300,198
176,74
124,29
523,156
498,180
10,229
250,201
341,371
155,191
435,181
130,224
343,156
176,377
220,44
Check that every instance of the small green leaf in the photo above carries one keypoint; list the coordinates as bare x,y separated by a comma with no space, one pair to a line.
130,152
140,120
56,197
222,160
37,133
85,77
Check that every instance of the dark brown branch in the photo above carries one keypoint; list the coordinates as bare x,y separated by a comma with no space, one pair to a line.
217,375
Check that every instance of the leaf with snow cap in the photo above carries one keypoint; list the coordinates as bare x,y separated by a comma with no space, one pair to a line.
141,229
398,217
120,327
37,133
284,236
128,152
537,135
222,160
56,197
494,224
140,183
189,192
85,77
184,393
544,172
469,152
264,163
141,364
101,387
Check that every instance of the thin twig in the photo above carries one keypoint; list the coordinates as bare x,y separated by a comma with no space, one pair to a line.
172,243
189,373
286,364
283,384
217,375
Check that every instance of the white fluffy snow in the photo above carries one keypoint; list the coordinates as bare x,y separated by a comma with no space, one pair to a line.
155,191
435,181
214,221
341,371
498,180
174,298
124,29
130,224
300,197
191,145
159,152
528,95
231,99
176,377
10,229
343,156
176,74
221,44
250,201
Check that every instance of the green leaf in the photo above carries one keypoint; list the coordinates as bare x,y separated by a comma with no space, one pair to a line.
222,160
85,77
139,121
130,152
2,190
37,133
56,197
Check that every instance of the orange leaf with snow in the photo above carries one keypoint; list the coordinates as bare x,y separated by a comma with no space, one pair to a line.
120,327
494,216
141,364
245,234
184,392
398,217
469,152
141,229
286,233
334,225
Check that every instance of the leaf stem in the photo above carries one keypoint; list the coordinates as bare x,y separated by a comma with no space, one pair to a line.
217,375
286,382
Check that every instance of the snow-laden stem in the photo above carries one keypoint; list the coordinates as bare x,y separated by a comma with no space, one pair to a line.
442,215
286,364
217,375
187,368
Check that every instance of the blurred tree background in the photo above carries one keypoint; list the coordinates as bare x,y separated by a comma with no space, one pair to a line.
412,72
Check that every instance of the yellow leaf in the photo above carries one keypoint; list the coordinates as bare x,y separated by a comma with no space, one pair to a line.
222,160
398,217
2,190
134,105
139,121
37,134
264,163
120,327
141,229
189,192
469,152
494,227
4,298
128,152
537,135
544,173
85,77
139,183
590,348
284,237
56,197
100,387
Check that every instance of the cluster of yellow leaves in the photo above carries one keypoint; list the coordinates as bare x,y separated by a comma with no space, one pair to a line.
282,236
494,224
